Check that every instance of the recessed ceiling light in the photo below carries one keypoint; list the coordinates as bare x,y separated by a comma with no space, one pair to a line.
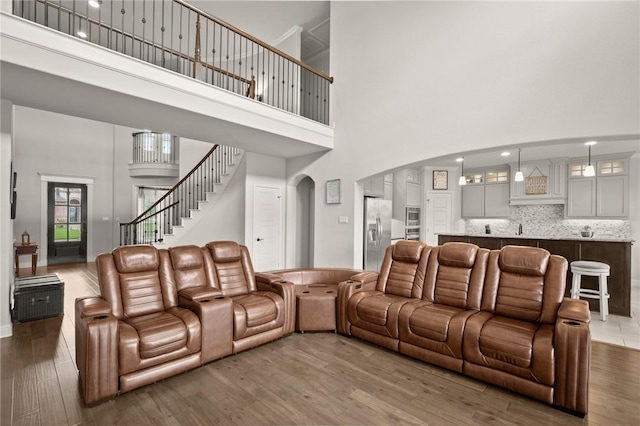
459,159
81,34
591,143
505,154
94,3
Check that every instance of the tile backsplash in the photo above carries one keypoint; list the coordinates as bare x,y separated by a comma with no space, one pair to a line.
545,220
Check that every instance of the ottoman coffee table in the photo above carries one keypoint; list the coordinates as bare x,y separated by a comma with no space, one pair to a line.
316,307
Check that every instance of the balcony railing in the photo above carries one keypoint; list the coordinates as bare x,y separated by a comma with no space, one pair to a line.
152,147
177,36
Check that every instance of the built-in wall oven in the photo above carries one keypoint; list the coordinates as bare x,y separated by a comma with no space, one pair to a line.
412,217
412,233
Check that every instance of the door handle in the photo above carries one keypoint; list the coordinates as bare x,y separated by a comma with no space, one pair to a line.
259,239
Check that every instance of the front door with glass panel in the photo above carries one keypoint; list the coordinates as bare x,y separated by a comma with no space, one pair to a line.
67,223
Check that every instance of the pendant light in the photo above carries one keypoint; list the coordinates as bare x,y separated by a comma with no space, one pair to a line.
463,179
519,177
589,171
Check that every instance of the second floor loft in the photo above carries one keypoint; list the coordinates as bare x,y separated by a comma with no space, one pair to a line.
177,36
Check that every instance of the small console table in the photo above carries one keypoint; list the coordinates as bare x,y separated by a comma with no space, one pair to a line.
24,249
316,307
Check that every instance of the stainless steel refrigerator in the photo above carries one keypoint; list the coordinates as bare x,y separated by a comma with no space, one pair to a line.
377,231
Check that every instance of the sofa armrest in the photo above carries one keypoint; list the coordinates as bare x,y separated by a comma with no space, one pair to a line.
286,290
216,321
267,278
573,356
365,277
96,349
364,281
574,309
87,307
200,293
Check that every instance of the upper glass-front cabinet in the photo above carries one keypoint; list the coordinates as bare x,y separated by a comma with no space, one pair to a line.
603,168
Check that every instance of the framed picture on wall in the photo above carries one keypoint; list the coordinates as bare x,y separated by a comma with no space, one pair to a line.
440,179
334,195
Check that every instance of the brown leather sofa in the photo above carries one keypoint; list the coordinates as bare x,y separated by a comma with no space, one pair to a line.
163,312
499,316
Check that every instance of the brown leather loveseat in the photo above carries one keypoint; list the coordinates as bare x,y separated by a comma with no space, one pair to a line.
499,316
165,311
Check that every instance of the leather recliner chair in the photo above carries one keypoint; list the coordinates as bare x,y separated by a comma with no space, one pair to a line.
518,339
260,315
431,329
134,334
372,312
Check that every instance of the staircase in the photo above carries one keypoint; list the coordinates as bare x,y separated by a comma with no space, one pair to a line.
164,221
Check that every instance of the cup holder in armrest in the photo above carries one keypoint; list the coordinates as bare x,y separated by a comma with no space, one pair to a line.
350,281
219,297
306,291
329,291
572,323
100,317
204,300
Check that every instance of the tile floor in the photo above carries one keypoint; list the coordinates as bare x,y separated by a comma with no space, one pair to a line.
619,330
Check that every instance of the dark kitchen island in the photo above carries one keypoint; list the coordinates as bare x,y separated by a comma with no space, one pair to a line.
614,252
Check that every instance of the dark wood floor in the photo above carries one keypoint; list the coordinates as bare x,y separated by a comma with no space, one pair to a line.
314,378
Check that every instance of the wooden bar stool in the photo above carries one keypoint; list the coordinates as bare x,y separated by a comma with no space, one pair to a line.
592,269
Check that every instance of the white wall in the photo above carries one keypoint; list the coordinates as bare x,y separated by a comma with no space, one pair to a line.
437,78
6,229
70,147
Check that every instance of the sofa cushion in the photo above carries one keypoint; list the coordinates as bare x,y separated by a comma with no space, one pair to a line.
188,266
521,348
376,312
130,259
186,257
459,255
141,293
257,312
432,321
508,340
225,251
403,251
159,333
403,270
524,260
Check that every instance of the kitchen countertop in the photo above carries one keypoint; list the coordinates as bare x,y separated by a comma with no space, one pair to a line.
603,238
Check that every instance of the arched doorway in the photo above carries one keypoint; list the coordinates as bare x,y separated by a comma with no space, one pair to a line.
305,220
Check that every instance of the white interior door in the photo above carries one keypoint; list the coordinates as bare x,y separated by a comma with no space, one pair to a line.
267,232
439,215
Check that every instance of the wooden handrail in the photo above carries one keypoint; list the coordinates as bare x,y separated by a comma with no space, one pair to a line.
255,40
150,216
141,215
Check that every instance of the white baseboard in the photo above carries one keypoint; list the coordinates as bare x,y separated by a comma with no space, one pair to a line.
6,331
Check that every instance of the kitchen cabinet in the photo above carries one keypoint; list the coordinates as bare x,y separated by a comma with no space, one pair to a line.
486,194
605,195
582,197
552,172
407,191
472,201
612,199
617,254
379,186
496,200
